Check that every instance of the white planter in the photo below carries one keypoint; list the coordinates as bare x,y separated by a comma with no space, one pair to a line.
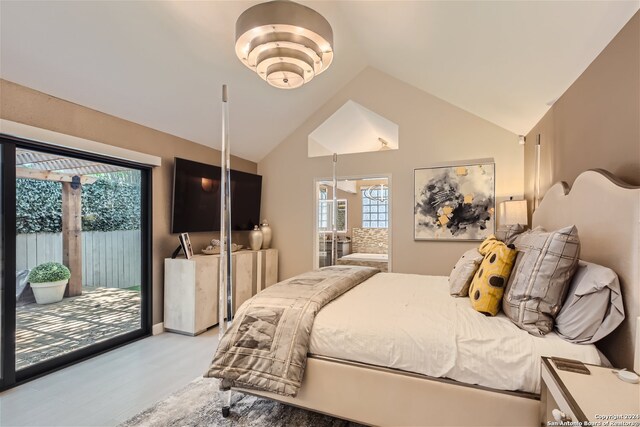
49,292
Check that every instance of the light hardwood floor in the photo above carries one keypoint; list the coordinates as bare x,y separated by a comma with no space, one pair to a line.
112,387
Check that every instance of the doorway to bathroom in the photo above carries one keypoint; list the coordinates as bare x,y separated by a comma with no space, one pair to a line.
362,222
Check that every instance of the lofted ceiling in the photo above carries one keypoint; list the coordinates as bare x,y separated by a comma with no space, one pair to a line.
352,129
162,64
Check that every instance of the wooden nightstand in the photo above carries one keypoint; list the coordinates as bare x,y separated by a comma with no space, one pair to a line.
587,399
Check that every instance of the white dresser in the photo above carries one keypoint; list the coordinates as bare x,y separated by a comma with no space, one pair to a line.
191,287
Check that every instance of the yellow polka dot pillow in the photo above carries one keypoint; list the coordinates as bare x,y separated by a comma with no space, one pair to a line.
488,244
491,278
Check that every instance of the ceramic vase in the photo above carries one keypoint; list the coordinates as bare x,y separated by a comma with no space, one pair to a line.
266,234
255,238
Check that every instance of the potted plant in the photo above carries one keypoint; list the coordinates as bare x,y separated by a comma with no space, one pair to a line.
48,282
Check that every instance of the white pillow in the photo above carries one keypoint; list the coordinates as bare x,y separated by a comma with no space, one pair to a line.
463,272
593,307
509,233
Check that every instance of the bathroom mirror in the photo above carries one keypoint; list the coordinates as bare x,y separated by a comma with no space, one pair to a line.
325,216
363,222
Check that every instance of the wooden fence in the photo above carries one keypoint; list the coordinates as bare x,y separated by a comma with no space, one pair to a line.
109,259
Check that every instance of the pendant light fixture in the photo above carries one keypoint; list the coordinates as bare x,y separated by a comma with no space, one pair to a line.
286,43
376,193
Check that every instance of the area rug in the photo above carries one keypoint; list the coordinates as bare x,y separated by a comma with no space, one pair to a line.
199,404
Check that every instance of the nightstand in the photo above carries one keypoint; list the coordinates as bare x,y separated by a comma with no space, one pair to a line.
588,399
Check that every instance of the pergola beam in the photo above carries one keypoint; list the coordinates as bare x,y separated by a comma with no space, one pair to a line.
45,175
72,236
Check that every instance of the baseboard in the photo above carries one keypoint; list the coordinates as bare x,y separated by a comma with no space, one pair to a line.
157,329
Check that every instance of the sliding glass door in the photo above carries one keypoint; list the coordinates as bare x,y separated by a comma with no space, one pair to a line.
79,246
7,262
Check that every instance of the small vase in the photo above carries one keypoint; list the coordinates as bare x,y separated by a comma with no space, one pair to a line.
266,234
255,238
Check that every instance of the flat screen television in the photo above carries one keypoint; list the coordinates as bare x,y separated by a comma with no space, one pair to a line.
196,198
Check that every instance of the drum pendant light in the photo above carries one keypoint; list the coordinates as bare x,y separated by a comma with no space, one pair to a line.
285,43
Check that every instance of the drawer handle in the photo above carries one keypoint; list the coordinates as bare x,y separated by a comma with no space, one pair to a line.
560,416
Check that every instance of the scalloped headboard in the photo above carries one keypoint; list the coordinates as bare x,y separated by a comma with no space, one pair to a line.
607,214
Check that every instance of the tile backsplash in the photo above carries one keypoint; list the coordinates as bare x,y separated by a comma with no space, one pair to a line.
370,240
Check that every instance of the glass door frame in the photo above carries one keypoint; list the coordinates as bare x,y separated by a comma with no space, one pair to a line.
11,377
318,181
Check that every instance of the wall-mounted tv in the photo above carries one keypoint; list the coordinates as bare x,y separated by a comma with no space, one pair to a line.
196,198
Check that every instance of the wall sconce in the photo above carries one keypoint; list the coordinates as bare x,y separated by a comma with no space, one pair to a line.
207,184
513,212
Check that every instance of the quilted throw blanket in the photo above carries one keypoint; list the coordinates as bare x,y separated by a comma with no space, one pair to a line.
266,346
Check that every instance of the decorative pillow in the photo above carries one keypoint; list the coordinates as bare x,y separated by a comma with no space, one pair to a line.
488,244
508,233
541,277
462,274
593,308
489,282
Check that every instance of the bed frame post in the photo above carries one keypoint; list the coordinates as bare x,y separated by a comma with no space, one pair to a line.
334,214
225,297
226,405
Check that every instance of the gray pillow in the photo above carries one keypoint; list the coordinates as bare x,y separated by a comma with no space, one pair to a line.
508,233
593,308
463,272
540,277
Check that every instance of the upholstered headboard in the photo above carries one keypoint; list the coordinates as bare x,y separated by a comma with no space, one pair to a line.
607,214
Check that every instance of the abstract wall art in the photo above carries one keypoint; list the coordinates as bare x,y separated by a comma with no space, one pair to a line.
454,202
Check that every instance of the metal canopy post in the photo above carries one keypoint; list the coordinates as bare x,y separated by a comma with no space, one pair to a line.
334,222
225,307
225,271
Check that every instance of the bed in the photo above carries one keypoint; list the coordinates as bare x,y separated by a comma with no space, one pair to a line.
408,380
379,261
410,322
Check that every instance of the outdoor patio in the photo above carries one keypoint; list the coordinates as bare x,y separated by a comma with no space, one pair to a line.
47,331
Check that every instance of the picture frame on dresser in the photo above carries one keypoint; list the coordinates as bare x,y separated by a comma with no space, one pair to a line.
185,243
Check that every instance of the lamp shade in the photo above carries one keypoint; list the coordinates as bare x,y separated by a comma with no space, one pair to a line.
513,212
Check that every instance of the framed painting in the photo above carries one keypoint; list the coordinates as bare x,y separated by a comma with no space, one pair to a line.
454,202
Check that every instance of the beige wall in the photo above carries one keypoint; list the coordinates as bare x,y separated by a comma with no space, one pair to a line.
24,105
596,122
431,131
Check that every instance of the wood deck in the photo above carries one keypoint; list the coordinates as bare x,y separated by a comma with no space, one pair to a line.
47,331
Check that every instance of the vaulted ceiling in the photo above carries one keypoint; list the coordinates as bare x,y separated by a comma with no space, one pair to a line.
162,64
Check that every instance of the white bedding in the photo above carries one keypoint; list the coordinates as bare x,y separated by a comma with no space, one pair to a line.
410,322
366,257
